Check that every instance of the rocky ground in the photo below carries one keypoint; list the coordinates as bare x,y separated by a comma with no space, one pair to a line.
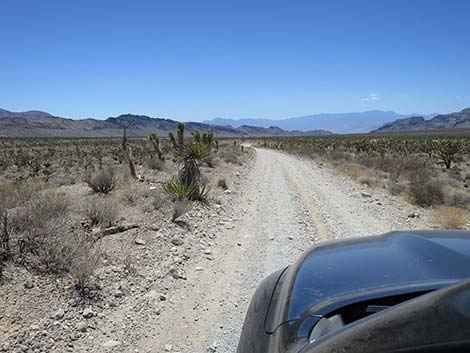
185,287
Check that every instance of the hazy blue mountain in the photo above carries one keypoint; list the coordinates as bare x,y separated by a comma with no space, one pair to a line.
458,120
340,123
41,124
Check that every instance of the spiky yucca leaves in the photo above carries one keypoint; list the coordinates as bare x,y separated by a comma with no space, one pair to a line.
177,190
191,157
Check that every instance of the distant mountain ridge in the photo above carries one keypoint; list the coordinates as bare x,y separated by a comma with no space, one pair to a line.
41,124
458,120
340,123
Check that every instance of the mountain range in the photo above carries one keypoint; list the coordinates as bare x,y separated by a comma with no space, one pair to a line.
340,123
37,123
458,120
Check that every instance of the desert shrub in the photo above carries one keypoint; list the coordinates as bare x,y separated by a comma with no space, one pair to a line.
424,190
83,264
355,173
222,183
53,252
14,194
159,200
102,181
101,211
154,164
35,215
449,217
395,188
180,208
130,192
49,204
230,154
458,199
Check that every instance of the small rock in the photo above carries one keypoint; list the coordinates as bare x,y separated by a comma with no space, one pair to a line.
58,315
111,344
118,293
28,284
413,215
212,348
366,194
139,241
199,268
207,252
168,347
228,191
162,297
82,326
88,313
239,244
177,241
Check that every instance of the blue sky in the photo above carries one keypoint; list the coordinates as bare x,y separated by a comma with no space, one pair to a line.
196,60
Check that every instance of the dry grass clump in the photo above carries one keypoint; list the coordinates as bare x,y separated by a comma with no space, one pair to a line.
14,194
102,181
448,217
222,182
131,191
40,236
84,263
355,173
180,208
101,211
231,154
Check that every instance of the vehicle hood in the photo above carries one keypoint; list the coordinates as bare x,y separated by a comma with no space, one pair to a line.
370,263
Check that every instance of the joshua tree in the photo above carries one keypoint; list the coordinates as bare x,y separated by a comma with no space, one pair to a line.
180,134
156,145
448,151
197,136
127,148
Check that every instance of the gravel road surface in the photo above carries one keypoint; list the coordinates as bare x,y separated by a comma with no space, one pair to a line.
285,205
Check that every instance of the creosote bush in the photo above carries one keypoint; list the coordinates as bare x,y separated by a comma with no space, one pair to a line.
425,191
102,181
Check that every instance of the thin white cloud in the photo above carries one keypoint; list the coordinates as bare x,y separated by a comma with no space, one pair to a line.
371,97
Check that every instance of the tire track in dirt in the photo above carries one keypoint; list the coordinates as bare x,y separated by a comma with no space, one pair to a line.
286,205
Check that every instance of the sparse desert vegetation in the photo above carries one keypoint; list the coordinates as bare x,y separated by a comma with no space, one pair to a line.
69,207
426,170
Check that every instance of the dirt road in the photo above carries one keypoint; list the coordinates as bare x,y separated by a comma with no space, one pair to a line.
286,205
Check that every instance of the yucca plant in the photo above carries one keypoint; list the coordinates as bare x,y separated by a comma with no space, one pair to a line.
177,190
